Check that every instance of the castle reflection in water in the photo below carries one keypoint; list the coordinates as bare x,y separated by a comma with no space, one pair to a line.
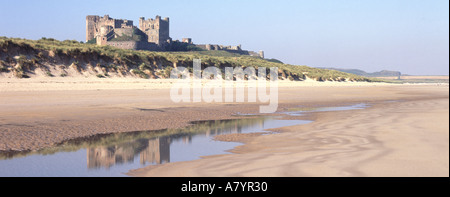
157,150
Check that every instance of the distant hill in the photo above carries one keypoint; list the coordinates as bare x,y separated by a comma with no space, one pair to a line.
383,73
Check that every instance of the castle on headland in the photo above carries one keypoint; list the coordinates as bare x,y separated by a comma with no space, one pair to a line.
152,34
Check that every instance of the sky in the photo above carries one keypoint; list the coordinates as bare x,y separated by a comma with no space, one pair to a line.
410,36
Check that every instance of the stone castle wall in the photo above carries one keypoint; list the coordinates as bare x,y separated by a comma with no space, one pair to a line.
232,49
123,44
124,32
134,45
94,24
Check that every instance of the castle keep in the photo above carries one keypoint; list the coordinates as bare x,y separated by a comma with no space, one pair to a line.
152,34
157,30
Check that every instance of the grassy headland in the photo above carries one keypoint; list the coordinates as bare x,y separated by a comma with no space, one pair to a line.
24,58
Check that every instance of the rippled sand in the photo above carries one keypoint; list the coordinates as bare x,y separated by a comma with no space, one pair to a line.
408,137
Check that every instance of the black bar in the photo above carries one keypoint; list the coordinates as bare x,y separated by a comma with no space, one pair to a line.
230,185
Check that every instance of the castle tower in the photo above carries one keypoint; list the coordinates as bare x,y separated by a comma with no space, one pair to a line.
91,22
157,30
261,54
102,37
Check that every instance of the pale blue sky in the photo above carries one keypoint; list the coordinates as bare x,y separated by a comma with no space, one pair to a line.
411,36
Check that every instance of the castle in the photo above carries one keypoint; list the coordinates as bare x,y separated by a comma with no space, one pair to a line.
231,49
152,34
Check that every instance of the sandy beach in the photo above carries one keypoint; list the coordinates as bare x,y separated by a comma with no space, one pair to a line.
403,132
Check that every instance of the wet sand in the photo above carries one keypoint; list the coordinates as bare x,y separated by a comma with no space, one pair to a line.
407,138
